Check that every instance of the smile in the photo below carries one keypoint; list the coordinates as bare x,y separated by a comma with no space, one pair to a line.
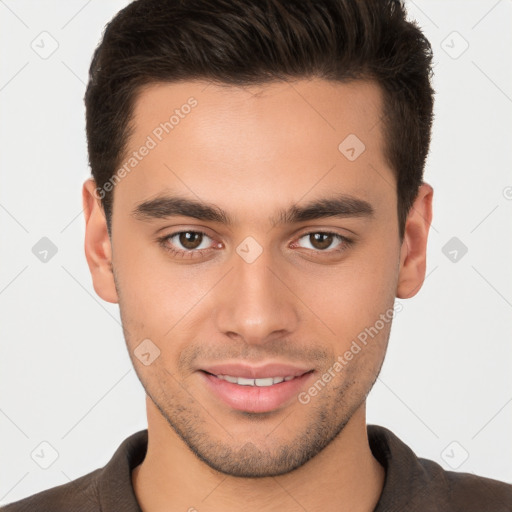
242,381
256,395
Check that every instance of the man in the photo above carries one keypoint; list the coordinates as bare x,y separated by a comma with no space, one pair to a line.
257,204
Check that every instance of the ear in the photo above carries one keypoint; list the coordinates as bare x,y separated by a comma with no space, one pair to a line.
98,249
413,254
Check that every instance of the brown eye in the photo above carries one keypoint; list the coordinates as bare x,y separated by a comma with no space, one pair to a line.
190,239
321,240
324,241
184,243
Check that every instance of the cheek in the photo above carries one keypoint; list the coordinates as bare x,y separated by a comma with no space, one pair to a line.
352,295
157,296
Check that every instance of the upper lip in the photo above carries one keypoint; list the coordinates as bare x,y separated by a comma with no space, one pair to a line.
256,372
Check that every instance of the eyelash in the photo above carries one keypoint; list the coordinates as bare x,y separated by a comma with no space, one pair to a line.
345,243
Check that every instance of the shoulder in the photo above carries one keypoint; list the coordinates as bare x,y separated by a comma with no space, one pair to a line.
469,492
106,489
80,495
421,485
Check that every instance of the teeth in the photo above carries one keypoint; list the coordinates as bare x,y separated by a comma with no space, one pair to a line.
242,381
245,382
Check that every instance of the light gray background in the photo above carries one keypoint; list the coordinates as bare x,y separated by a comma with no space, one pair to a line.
66,378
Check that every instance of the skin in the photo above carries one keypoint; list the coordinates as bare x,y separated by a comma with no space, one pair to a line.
252,151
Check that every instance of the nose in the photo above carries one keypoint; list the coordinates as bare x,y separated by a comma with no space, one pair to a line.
257,303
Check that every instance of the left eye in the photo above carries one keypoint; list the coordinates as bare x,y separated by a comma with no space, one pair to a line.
321,240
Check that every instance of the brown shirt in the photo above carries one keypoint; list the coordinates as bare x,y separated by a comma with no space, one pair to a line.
412,484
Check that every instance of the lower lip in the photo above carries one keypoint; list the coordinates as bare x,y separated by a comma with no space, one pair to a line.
255,398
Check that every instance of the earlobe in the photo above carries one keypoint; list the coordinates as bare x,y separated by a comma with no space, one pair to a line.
98,249
413,255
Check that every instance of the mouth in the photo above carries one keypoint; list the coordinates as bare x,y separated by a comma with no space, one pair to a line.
263,382
261,395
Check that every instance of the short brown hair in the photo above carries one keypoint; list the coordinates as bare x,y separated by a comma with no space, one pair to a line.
248,42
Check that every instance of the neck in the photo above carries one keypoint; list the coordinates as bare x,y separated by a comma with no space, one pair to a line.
344,474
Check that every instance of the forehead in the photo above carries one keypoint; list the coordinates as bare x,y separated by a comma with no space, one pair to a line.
293,138
301,106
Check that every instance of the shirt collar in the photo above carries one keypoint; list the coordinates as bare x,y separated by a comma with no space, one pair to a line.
406,481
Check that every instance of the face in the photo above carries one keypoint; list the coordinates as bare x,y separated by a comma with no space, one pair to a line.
247,242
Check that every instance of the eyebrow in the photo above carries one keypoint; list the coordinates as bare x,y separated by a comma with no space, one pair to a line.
341,206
